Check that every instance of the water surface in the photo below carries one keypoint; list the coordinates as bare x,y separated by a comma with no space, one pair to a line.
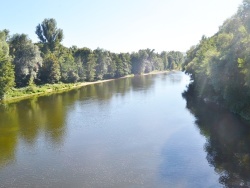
132,132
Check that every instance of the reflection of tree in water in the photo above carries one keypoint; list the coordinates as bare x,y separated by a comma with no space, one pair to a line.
28,119
8,136
45,116
175,77
142,82
106,90
228,141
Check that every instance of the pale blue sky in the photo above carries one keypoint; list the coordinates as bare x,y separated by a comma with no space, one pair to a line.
121,25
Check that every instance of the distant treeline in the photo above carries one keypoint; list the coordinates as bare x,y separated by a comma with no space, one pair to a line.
23,63
220,65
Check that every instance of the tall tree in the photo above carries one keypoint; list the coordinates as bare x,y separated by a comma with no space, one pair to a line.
139,61
6,68
6,75
49,35
81,58
90,67
4,47
164,57
27,59
103,63
111,66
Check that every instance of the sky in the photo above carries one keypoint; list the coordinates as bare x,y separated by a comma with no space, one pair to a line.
121,25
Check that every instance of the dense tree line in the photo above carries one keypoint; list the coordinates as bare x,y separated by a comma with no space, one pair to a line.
220,65
23,63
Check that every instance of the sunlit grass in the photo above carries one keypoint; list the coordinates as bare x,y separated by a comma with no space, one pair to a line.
37,90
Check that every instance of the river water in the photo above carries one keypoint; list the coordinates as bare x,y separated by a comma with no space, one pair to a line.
131,132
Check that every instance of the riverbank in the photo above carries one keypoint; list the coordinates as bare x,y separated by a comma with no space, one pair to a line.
32,91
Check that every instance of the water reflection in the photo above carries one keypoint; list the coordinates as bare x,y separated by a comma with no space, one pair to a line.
31,120
132,132
8,136
228,141
142,82
27,120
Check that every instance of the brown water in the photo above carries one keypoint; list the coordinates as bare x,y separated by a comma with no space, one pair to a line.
132,132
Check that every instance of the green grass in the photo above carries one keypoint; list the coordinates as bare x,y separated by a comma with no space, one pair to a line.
33,90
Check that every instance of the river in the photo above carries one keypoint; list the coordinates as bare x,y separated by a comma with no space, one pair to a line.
131,132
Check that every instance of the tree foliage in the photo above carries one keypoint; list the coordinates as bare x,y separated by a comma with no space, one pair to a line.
220,65
145,61
50,72
123,64
6,67
26,58
103,61
49,35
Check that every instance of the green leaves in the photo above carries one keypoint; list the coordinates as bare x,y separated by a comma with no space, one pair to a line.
50,72
68,69
4,48
27,59
6,68
48,34
147,60
6,75
220,65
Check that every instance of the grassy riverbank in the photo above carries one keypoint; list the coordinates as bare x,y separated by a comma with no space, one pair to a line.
17,94
48,89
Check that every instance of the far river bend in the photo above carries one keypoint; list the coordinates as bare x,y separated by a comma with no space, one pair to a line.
132,132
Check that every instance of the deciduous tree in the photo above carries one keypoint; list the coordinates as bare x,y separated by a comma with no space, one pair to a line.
26,58
49,35
6,68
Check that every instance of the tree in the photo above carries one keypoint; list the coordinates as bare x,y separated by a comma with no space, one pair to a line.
146,61
4,47
164,57
123,66
111,72
139,62
175,60
81,58
90,67
158,63
6,75
220,65
68,69
6,67
49,35
27,59
50,72
102,64
243,13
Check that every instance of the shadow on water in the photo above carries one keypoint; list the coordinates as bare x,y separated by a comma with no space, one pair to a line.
227,141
